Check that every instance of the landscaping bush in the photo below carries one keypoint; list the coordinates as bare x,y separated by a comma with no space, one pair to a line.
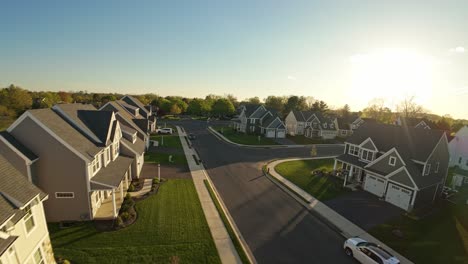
118,222
131,188
155,181
125,216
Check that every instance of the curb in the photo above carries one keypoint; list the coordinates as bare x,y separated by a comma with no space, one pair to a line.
223,138
314,202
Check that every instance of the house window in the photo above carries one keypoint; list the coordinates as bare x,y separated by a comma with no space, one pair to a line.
343,132
392,161
437,167
65,195
12,256
332,126
252,128
29,219
353,150
324,125
108,155
427,169
38,259
116,149
367,155
252,121
460,160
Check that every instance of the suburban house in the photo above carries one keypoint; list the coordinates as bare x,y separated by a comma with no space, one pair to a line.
141,115
257,119
311,124
24,237
85,161
405,166
416,122
346,125
458,149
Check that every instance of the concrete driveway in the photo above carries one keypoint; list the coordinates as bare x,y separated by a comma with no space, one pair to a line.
364,209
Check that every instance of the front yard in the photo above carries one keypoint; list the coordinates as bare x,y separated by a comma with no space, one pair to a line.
163,158
171,228
441,237
243,138
170,141
299,172
302,140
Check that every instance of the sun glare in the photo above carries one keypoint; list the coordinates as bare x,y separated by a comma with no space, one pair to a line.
391,74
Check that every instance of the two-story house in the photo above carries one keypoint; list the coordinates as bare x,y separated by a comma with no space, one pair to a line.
458,149
405,166
346,125
24,237
320,126
257,119
86,159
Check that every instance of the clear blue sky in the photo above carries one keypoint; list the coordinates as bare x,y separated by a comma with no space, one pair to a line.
246,48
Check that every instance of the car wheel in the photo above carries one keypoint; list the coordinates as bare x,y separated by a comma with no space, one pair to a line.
348,252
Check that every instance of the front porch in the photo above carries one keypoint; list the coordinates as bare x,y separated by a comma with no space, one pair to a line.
111,201
353,176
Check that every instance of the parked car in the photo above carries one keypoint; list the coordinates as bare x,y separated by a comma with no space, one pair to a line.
191,136
367,252
164,130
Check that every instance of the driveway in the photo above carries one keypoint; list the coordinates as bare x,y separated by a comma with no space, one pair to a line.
150,170
364,209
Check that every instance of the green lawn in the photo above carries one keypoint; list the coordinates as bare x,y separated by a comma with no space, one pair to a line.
299,173
301,140
163,158
172,141
243,138
170,226
439,238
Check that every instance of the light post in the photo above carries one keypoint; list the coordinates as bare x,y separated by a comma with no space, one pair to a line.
159,172
162,140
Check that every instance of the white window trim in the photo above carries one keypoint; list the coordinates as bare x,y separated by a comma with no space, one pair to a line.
427,169
73,195
28,233
392,161
354,147
437,167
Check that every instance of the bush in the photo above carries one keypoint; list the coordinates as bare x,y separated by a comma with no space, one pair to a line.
125,216
128,197
155,181
131,188
119,222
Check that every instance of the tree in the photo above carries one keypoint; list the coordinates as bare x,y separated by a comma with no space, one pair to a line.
378,111
223,107
457,126
233,100
254,100
409,108
296,103
175,109
65,97
195,107
444,124
345,111
319,106
16,99
275,102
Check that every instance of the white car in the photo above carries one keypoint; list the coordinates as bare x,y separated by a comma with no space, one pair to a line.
164,130
367,252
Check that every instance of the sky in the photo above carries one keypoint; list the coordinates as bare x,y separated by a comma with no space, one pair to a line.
342,52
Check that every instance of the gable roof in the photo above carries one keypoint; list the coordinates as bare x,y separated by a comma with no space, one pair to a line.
66,132
413,121
99,122
345,122
135,102
20,147
411,143
15,190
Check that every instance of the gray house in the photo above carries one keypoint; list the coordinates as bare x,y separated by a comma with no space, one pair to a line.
85,159
405,166
257,119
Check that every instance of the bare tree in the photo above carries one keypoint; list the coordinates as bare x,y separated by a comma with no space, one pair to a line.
409,108
378,111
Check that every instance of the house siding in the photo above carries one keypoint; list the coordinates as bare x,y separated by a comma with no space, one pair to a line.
383,166
18,162
425,197
58,170
291,124
440,155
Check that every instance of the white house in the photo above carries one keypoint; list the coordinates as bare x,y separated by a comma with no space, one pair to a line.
458,149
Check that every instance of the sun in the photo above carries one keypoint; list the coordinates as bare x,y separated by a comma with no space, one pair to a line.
392,74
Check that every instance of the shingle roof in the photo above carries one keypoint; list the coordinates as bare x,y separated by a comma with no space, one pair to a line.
97,121
66,132
412,143
15,185
6,243
138,146
20,147
250,108
413,121
135,102
113,174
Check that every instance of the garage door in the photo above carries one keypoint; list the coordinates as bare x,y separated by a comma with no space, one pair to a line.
398,196
374,185
280,134
270,134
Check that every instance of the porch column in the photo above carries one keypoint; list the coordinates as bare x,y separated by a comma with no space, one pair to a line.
114,206
334,166
121,191
126,181
350,174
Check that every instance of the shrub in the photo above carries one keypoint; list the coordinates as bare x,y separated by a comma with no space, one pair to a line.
128,197
125,216
131,188
155,181
119,222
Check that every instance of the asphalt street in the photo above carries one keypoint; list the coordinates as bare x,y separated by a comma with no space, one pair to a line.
276,227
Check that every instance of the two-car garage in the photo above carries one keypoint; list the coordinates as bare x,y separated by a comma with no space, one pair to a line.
394,194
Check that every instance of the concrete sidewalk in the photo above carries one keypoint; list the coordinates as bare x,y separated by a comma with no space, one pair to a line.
145,189
223,138
346,227
226,250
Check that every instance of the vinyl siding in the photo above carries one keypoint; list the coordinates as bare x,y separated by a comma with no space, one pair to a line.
383,167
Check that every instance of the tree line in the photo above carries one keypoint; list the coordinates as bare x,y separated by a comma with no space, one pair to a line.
15,100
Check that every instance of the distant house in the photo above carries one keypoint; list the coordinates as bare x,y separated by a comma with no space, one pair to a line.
405,166
257,119
86,159
320,126
24,237
416,122
458,148
346,125
297,121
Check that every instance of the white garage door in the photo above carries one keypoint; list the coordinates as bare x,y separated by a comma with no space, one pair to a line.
398,196
280,134
374,185
270,134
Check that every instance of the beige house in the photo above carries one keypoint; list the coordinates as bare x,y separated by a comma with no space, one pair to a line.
24,237
86,159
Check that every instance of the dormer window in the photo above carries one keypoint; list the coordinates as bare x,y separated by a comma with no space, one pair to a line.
392,161
332,126
116,149
367,155
353,150
29,219
427,169
324,125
